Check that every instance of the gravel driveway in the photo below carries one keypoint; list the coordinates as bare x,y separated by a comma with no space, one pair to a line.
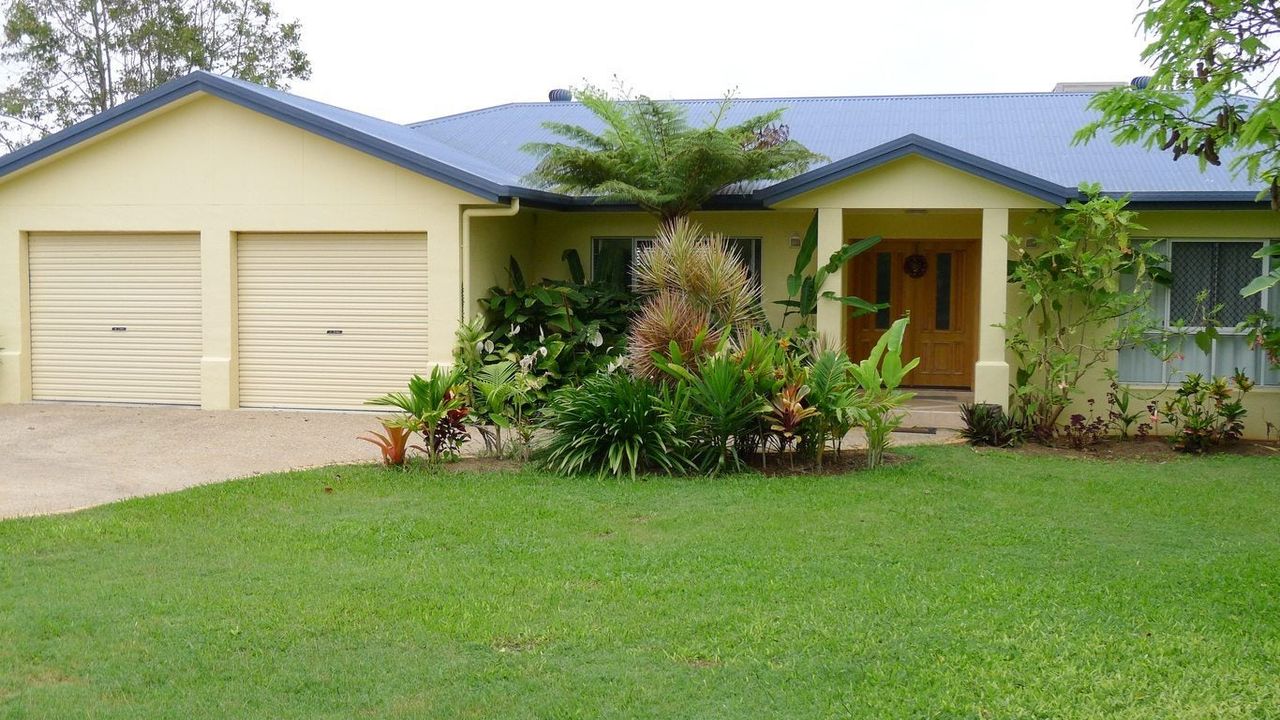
62,457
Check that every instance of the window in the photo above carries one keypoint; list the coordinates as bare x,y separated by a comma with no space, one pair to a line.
1206,274
611,257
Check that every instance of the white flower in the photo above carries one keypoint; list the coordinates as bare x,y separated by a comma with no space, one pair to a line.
542,351
526,362
596,340
515,330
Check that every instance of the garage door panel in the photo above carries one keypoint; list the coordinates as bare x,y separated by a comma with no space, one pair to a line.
83,287
329,321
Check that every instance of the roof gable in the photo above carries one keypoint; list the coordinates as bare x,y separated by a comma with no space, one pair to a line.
915,145
386,140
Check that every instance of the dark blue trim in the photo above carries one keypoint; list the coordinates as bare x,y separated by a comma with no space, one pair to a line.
246,96
923,147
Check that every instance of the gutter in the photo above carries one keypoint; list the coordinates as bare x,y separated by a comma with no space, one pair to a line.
509,211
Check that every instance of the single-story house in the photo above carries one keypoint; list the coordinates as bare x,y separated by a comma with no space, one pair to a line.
221,244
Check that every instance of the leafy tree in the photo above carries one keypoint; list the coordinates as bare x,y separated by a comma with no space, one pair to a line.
1215,92
649,154
1087,283
70,59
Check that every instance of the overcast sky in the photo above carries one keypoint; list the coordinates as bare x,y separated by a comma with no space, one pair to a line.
406,60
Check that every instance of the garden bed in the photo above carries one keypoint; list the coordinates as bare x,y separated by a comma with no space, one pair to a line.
1151,449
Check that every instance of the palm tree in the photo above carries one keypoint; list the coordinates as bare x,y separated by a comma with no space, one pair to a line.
649,155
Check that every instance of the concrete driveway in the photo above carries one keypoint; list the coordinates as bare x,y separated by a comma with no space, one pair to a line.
55,458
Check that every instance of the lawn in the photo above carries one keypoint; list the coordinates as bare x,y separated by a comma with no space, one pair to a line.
956,585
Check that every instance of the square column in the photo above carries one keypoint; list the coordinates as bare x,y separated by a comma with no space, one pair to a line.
15,318
219,374
991,373
829,322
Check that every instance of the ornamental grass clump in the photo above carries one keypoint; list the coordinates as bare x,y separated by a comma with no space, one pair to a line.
613,424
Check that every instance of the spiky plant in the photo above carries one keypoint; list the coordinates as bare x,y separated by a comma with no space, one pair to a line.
695,287
683,258
665,320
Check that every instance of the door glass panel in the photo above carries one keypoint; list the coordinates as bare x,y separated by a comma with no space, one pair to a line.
884,274
942,302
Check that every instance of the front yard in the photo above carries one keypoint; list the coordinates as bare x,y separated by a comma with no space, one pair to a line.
955,585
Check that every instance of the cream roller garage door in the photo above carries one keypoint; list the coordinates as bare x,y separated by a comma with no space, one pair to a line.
115,318
329,321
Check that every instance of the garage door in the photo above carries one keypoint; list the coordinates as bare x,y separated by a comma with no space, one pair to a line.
115,318
329,321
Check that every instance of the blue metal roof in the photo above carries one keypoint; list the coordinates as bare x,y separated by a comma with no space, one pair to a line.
1020,140
1026,134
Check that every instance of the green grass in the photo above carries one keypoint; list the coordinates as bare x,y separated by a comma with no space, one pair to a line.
955,586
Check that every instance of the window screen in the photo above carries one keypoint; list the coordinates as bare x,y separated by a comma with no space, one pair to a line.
1218,269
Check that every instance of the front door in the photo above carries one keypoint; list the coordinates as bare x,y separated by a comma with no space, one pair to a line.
935,282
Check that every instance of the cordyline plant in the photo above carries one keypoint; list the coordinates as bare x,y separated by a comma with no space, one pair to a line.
648,154
1079,313
696,293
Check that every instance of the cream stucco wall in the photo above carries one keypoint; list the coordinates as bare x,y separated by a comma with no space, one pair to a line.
494,241
913,182
212,167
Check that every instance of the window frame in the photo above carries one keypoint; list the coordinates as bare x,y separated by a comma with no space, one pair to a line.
1166,247
755,265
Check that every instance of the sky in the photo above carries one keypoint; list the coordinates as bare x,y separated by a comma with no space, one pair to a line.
407,60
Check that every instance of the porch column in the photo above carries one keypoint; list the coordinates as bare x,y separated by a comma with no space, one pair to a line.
991,373
830,320
219,376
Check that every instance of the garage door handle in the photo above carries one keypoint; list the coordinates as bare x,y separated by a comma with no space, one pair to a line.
332,332
119,328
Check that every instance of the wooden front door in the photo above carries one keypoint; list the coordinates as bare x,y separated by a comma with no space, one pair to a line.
935,282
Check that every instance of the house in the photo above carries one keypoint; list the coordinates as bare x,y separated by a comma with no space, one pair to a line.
220,244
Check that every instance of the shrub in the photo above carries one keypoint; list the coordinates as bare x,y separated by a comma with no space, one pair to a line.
987,424
435,407
1081,313
1082,431
833,395
879,375
615,424
563,331
692,284
502,394
722,407
1207,413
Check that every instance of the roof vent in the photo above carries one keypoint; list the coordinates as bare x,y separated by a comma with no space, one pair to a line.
1141,82
560,95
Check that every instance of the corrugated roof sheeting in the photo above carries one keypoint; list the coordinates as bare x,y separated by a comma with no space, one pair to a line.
1028,132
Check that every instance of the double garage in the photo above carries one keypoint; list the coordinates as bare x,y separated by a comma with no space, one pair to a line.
322,321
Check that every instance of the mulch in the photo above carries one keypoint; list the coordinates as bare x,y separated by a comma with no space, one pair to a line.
1152,449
